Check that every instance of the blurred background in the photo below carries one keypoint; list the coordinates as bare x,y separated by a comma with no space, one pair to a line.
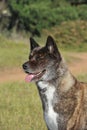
66,21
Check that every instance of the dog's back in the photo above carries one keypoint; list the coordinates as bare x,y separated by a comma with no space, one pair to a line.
78,118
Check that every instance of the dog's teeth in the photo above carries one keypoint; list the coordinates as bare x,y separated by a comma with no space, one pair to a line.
39,73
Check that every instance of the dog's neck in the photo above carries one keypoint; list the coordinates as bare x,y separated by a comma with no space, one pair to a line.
62,84
63,78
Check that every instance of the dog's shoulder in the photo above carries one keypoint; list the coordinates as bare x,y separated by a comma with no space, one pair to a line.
83,87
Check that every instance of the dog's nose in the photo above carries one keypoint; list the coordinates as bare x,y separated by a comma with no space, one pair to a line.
24,66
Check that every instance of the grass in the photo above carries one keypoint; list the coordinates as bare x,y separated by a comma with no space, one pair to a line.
12,53
69,57
20,107
83,77
70,35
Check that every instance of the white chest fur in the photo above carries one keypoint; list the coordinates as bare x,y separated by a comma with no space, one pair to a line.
50,115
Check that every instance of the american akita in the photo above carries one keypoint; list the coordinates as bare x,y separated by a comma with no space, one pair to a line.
64,98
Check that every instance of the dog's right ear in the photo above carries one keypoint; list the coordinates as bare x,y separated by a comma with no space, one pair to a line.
33,44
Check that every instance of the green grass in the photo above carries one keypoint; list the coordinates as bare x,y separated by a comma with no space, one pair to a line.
20,107
83,77
12,54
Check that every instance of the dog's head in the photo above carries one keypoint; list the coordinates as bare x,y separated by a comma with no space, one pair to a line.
43,61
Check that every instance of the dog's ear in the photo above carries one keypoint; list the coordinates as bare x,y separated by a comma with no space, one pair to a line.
33,44
52,47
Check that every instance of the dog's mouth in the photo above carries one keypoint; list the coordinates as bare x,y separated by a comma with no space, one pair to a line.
34,76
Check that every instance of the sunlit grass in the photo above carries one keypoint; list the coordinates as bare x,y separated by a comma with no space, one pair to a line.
12,54
70,35
83,77
20,107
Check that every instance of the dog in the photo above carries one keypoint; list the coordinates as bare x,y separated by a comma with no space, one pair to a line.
64,98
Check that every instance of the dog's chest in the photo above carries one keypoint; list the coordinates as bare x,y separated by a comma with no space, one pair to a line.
48,101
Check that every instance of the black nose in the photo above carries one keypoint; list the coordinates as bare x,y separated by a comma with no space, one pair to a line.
24,66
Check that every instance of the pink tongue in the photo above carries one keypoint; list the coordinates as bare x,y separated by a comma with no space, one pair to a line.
29,78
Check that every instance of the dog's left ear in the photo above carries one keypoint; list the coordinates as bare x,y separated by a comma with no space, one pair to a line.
33,43
52,47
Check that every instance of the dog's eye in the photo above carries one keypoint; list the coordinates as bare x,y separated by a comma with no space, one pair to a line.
39,57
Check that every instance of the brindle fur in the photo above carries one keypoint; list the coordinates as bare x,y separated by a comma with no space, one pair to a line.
70,98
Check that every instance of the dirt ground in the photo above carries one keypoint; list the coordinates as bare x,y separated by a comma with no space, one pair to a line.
77,67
